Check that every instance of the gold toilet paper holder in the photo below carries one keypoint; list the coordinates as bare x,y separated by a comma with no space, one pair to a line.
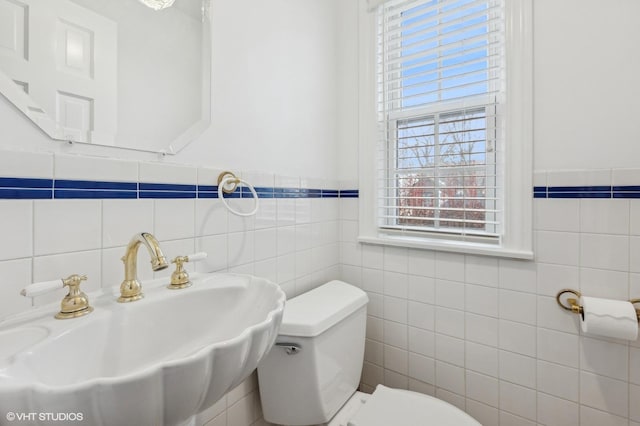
572,304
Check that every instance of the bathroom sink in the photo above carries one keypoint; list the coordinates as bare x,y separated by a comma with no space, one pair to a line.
157,361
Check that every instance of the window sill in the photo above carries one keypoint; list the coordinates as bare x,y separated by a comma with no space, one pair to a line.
448,246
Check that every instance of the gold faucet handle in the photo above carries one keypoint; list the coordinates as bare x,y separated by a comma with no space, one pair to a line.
75,303
180,277
73,281
36,289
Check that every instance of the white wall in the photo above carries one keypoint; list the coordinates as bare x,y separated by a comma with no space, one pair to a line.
585,88
475,331
586,84
274,87
275,110
486,334
348,85
275,81
290,241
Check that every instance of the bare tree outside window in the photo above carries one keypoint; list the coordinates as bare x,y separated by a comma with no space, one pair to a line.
441,170
441,76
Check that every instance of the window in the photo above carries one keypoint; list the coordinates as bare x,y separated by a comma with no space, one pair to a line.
442,174
452,161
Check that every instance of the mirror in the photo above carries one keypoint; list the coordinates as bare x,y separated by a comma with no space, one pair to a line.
109,72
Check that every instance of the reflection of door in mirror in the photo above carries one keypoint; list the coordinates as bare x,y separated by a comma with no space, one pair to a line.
64,57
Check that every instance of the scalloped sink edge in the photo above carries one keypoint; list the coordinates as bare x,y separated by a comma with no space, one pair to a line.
95,365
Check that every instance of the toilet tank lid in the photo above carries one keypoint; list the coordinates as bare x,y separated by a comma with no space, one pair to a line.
315,311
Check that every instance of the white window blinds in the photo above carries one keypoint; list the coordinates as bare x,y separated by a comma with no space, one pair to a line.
440,97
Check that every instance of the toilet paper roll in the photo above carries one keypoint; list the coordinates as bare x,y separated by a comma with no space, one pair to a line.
609,318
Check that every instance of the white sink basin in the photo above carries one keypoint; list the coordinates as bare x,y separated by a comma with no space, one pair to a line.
157,361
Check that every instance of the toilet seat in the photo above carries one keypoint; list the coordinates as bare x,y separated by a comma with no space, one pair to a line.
396,407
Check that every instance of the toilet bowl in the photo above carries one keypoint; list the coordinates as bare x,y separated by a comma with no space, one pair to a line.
311,375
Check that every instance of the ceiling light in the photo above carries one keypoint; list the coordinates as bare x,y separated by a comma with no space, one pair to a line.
157,4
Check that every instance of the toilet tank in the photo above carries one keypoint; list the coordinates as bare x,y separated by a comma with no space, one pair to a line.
308,386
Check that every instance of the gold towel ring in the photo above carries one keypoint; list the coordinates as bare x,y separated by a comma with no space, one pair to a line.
230,182
573,305
227,184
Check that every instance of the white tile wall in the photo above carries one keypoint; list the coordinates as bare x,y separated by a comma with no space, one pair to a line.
96,169
26,164
291,241
482,333
167,173
487,334
62,226
16,228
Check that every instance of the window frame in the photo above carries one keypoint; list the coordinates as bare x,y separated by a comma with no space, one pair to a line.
478,103
516,237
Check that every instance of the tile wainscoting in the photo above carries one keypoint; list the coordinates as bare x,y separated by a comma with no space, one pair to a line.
487,335
62,214
482,333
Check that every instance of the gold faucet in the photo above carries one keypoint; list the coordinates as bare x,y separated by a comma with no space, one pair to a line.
180,277
75,303
131,289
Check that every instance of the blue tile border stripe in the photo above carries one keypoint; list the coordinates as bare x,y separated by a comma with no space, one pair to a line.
87,184
539,192
349,193
93,194
25,194
630,188
596,191
207,188
287,193
25,188
9,182
167,194
36,189
12,188
166,187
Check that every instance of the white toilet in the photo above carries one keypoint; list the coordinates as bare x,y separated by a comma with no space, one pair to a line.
311,375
